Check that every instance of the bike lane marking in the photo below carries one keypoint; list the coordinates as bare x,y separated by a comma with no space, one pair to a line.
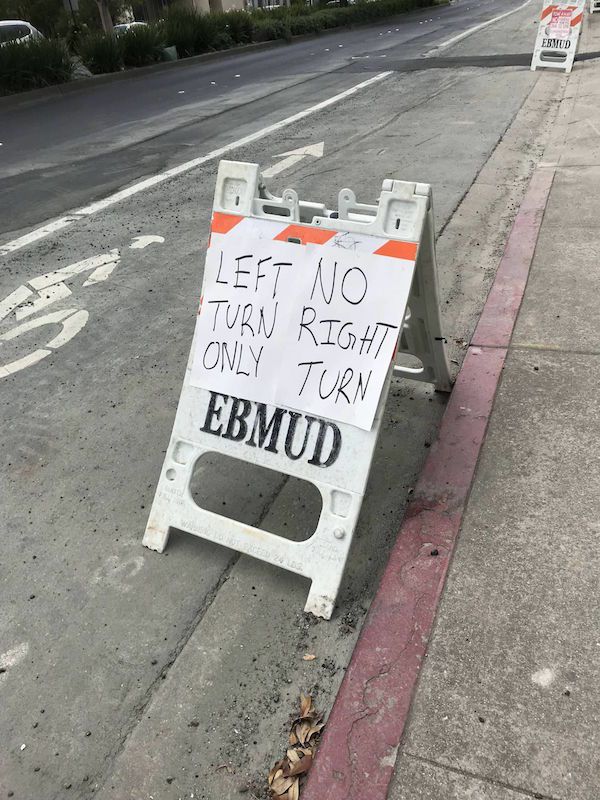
51,288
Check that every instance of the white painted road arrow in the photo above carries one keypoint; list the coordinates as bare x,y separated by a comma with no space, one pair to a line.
293,156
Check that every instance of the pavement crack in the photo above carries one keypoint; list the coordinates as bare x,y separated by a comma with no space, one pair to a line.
141,706
490,156
548,348
139,709
450,83
483,778
384,670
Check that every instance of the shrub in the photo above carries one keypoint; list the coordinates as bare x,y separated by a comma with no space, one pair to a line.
332,18
141,45
300,25
222,40
191,32
365,11
319,21
266,29
31,65
100,52
300,9
341,16
239,26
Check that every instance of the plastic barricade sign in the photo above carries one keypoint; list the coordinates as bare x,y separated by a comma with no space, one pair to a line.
302,317
594,6
558,35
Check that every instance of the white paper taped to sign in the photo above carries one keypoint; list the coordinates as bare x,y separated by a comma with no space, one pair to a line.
559,26
308,327
558,34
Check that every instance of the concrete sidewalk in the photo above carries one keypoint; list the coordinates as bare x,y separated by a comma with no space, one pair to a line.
507,704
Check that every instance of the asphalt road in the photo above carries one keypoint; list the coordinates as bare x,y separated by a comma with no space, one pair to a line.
128,674
69,150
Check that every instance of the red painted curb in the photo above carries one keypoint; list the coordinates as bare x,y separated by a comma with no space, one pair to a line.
357,756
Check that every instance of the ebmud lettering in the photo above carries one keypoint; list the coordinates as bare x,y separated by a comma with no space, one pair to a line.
237,420
260,429
557,44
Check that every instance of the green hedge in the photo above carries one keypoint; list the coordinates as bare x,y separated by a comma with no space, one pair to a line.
141,45
47,61
265,29
191,32
100,53
34,64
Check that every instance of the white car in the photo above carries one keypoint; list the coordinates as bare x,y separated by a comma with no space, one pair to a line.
15,30
123,27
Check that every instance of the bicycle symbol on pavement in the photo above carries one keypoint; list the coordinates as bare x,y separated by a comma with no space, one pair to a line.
39,293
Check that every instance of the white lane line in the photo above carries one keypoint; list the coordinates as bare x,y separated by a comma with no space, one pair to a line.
154,180
38,233
459,37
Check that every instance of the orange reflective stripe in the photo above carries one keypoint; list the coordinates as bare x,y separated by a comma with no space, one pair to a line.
394,249
576,20
223,223
549,9
305,234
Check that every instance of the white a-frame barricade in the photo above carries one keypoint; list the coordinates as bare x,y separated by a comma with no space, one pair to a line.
328,442
594,6
558,35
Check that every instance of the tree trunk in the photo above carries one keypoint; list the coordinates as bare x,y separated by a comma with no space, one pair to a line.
105,18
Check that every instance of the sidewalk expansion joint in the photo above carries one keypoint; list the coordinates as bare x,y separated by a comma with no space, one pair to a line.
549,348
139,709
483,778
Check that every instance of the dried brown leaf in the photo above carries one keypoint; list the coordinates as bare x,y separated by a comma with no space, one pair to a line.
306,705
315,729
284,776
294,791
302,731
308,657
276,771
301,766
281,785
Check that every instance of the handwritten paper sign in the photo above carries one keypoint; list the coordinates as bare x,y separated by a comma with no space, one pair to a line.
560,23
309,327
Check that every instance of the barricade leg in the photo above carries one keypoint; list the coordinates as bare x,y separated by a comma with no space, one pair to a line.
422,330
156,535
329,547
325,585
319,601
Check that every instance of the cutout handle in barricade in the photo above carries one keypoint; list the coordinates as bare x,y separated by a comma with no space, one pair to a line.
558,35
594,6
304,317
